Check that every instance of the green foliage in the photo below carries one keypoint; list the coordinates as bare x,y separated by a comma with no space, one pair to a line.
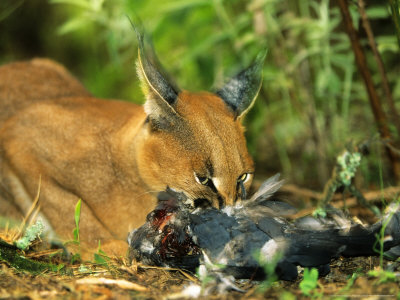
319,212
381,237
310,282
11,255
287,296
343,173
394,6
269,267
31,234
348,163
8,7
312,102
101,257
77,217
383,275
350,281
76,257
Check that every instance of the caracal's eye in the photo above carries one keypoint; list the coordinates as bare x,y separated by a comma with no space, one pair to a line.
206,181
240,184
202,180
244,177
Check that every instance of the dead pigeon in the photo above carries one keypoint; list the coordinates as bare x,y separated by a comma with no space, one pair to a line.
239,237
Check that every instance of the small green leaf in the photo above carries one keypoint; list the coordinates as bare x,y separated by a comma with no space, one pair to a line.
75,258
77,219
319,212
59,267
350,281
382,275
101,257
287,296
309,282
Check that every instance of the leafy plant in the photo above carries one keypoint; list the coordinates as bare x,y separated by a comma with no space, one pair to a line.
310,282
381,237
383,275
101,257
287,296
343,173
269,267
351,280
77,217
9,254
76,240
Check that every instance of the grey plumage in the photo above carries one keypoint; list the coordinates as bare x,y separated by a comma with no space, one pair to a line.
174,235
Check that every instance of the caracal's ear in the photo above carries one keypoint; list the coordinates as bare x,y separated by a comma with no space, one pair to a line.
161,95
240,92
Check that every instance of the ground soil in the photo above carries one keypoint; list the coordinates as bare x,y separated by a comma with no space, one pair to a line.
164,283
86,280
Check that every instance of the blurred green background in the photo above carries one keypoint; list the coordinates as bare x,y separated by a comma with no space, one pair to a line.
312,103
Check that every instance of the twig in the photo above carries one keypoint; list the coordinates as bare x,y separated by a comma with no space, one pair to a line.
372,196
373,97
395,118
394,6
187,275
32,210
123,284
393,148
338,201
302,192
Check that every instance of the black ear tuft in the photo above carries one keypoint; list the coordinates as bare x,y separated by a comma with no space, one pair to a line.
161,94
150,66
240,92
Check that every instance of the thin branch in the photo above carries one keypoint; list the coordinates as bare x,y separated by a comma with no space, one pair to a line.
395,118
301,192
372,197
121,283
375,103
388,194
394,5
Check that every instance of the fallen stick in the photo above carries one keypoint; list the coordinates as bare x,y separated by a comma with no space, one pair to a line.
372,196
302,192
123,284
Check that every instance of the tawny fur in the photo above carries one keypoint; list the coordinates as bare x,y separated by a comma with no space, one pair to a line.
106,153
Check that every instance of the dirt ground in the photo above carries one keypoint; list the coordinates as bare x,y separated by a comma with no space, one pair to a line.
118,279
159,283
